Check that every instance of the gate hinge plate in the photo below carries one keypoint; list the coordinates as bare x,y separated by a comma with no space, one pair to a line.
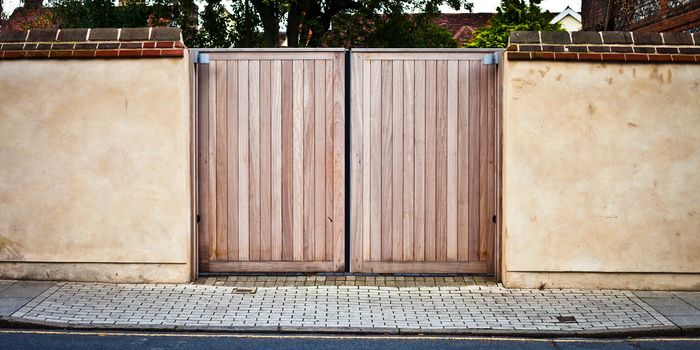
201,58
490,58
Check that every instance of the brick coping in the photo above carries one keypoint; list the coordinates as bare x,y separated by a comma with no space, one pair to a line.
605,46
82,43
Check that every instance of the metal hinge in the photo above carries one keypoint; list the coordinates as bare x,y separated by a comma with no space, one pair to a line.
490,58
201,58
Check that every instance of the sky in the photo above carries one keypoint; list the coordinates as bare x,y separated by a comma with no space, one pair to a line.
479,5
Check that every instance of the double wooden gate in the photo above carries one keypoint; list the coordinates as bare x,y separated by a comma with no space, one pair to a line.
271,167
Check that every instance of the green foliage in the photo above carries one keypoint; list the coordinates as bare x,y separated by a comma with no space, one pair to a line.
512,15
394,23
256,23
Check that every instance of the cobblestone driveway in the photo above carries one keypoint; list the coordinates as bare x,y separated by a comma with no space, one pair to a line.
380,308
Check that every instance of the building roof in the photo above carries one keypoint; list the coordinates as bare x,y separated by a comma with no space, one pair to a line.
462,25
568,11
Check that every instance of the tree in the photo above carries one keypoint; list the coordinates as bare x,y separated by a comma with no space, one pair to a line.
512,15
309,22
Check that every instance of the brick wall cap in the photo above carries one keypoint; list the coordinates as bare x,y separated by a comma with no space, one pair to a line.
165,34
72,34
89,43
605,46
555,37
678,38
617,37
519,37
586,38
36,35
134,34
10,36
104,34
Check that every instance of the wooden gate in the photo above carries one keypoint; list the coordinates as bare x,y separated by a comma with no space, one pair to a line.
423,195
271,135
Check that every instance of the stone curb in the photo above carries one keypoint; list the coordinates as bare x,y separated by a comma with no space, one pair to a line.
668,331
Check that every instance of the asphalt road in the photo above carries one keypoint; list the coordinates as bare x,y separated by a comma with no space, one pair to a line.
30,339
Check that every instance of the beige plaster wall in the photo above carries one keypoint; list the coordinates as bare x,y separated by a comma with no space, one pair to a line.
601,175
95,170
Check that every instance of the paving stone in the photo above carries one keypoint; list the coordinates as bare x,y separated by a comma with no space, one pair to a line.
25,289
685,320
692,298
429,308
686,310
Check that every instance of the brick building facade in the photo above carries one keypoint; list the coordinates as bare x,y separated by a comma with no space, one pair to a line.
641,15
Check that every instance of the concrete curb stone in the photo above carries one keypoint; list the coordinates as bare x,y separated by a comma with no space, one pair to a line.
670,331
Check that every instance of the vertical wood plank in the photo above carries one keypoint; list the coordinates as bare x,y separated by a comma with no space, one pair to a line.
328,117
408,156
288,161
452,142
441,164
420,165
483,161
276,153
244,163
487,232
213,163
430,159
358,166
309,159
232,161
494,116
204,164
319,160
298,143
376,160
474,108
387,160
265,163
463,164
397,158
254,158
365,141
339,161
221,160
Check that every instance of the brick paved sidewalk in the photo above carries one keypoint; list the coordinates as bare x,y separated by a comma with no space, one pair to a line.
425,309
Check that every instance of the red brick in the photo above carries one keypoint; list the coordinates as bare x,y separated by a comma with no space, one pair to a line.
151,53
566,56
179,45
14,54
518,55
61,54
165,44
590,57
613,57
172,53
84,53
659,58
542,55
637,57
683,58
38,54
129,53
107,53
149,45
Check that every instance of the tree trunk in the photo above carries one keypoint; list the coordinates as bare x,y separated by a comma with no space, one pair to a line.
269,16
293,22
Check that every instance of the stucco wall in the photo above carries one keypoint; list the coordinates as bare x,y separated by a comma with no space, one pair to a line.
95,179
601,175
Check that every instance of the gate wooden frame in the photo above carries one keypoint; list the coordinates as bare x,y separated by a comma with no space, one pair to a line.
335,219
359,208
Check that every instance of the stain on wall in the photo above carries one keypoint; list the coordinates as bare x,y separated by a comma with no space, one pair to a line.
601,168
95,161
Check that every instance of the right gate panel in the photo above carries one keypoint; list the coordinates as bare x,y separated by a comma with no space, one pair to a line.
423,162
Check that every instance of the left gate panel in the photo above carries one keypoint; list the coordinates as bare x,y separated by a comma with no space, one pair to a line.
271,161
